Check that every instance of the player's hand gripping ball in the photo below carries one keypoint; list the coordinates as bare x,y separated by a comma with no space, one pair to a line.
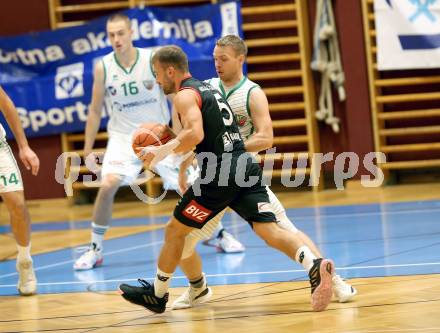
150,134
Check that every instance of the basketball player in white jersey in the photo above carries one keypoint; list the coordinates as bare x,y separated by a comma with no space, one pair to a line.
11,192
125,81
251,109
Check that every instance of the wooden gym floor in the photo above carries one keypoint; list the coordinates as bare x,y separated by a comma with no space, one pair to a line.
385,240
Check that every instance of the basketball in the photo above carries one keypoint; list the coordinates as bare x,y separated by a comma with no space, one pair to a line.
150,134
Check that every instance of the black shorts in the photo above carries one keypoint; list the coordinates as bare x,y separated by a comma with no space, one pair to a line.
251,203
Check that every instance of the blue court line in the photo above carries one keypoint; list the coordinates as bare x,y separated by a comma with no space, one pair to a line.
66,225
296,214
364,241
137,247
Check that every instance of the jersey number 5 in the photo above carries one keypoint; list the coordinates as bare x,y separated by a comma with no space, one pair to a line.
225,109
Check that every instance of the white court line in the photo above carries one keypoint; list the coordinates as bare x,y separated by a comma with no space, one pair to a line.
72,260
400,212
294,219
231,274
389,266
422,329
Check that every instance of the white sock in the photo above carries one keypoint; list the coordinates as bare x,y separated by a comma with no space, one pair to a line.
24,252
161,283
98,232
305,257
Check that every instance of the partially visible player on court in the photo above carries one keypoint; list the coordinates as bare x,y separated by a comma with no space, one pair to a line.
209,124
125,80
251,109
11,191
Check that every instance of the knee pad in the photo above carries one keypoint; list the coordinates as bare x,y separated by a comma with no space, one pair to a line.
286,224
190,244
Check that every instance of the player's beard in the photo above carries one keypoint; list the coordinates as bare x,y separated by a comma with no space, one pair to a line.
169,86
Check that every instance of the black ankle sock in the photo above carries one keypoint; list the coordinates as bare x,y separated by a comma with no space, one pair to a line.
197,283
94,247
220,233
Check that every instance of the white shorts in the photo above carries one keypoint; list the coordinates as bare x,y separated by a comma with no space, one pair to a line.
10,176
168,170
120,159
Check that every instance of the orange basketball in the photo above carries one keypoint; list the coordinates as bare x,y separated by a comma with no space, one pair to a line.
150,134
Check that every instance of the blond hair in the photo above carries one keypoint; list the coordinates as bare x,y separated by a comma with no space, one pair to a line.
235,42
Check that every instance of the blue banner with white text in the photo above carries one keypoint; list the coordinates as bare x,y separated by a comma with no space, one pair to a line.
49,75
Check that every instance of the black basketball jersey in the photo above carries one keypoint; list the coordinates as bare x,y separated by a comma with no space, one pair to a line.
219,125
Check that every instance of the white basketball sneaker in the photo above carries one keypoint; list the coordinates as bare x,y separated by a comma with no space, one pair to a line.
89,260
343,291
27,282
192,296
228,244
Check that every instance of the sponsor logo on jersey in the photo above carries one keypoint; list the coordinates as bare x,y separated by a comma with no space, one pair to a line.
196,212
228,139
127,106
241,120
69,81
112,90
264,207
140,103
116,163
148,84
117,106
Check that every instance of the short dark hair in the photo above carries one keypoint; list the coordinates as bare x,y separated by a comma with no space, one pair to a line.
172,55
235,42
119,17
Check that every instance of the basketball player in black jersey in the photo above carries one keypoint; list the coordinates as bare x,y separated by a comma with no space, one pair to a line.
229,177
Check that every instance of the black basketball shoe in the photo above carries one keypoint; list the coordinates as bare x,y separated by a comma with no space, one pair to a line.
144,296
320,276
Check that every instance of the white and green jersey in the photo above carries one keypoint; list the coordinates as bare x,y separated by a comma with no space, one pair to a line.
132,94
238,99
2,132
